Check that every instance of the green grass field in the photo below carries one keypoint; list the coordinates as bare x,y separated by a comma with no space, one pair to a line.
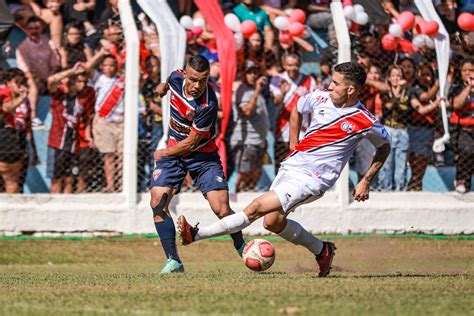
371,276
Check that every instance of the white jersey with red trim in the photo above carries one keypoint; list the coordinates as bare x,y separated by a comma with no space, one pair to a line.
332,137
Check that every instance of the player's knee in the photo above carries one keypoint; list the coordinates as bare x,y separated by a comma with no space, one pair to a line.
158,204
272,225
223,211
253,210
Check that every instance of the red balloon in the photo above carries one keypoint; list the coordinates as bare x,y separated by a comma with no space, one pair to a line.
421,26
389,42
431,28
248,27
190,35
466,21
346,3
197,30
406,20
285,37
297,15
296,29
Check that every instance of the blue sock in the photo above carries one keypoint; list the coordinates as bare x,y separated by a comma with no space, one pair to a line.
167,234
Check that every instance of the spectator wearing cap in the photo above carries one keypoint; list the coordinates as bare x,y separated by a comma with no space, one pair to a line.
36,56
248,10
248,139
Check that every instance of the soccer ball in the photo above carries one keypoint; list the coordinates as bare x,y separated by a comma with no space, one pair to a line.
259,255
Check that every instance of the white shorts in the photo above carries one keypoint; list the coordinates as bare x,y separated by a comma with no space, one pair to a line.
294,188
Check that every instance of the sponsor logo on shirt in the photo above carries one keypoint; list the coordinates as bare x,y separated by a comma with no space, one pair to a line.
347,127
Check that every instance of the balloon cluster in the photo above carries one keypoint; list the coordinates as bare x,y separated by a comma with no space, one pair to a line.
193,28
241,30
355,15
405,22
290,26
466,21
233,23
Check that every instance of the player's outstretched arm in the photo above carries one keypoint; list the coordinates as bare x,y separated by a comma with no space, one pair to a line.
361,192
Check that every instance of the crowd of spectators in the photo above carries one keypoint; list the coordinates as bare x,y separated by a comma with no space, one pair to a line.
73,51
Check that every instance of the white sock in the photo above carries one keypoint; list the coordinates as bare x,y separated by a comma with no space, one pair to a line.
227,225
296,234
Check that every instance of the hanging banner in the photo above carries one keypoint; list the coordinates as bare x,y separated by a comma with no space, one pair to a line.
442,47
214,16
172,49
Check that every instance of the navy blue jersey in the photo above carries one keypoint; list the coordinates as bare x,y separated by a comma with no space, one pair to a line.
186,114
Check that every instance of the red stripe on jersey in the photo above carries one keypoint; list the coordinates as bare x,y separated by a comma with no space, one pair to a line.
180,105
332,133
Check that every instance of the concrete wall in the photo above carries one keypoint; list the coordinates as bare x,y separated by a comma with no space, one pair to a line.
432,213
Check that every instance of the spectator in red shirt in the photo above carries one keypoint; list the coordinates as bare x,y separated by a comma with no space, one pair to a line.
63,141
86,161
12,95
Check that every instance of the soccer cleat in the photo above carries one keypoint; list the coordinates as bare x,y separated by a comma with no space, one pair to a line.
172,266
241,250
186,231
324,259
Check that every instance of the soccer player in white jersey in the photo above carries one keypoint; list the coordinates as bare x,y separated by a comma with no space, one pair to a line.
339,122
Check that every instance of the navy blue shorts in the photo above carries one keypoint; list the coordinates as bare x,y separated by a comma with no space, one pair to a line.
205,170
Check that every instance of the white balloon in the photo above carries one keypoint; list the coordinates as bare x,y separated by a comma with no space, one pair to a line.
429,42
349,12
419,41
282,23
199,22
395,30
232,22
361,18
239,40
358,8
186,22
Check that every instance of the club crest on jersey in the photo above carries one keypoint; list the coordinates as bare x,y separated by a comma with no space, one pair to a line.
156,174
347,127
190,115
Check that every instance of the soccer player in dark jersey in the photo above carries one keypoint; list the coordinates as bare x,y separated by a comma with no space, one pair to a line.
191,148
